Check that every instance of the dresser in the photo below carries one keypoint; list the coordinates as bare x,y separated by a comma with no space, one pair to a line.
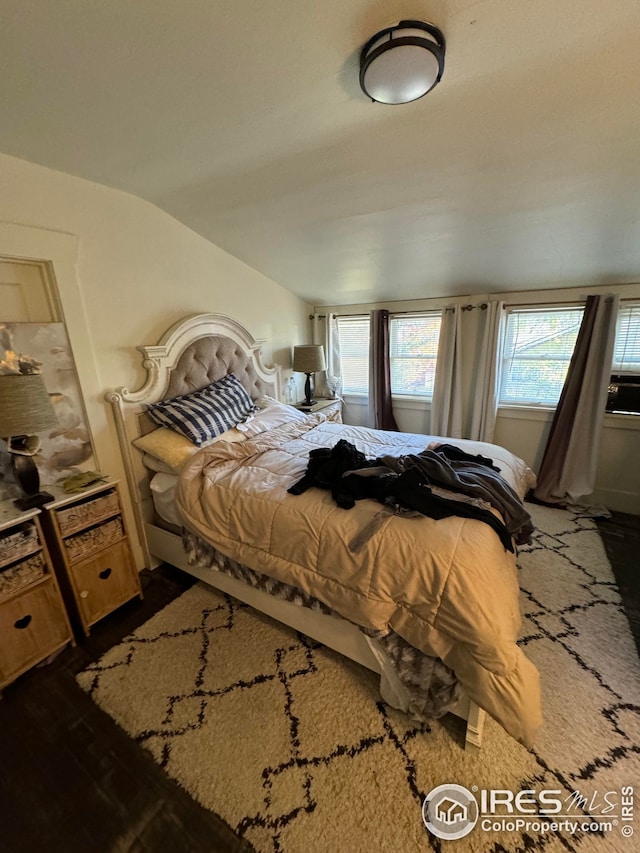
89,542
33,620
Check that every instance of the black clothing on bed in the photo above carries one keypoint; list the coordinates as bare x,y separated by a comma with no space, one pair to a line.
326,468
347,473
410,491
472,478
457,454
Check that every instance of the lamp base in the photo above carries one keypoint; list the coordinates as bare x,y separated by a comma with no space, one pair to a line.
33,501
27,477
308,390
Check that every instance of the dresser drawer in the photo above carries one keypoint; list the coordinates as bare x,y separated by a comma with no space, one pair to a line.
83,546
31,627
18,543
88,512
22,574
104,582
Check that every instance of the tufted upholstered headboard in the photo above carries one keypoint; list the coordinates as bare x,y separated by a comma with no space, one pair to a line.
210,358
193,353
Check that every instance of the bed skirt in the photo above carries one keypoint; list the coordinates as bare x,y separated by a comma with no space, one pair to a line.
431,687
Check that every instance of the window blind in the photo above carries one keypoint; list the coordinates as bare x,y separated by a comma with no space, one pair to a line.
538,346
626,351
354,335
413,350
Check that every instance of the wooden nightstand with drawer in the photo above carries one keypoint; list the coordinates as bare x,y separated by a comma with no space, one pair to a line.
33,620
88,538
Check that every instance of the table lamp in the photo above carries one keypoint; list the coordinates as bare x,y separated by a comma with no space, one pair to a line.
25,409
309,359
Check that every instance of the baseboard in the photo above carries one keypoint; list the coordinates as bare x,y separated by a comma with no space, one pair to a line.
616,501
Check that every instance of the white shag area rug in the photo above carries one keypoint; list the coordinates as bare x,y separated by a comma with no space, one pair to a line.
290,744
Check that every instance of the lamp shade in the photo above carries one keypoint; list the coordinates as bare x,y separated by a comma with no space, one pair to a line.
401,64
308,358
25,405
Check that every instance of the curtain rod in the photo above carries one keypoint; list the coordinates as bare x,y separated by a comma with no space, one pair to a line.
567,302
366,313
324,316
543,305
481,305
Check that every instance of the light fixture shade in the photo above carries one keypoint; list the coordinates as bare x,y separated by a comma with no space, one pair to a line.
401,64
309,358
25,405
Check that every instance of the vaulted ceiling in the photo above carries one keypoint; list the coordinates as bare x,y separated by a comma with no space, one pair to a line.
245,121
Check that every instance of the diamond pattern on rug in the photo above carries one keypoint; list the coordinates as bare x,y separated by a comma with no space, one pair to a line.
291,745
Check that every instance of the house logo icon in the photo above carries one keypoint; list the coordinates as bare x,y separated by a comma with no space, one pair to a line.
450,811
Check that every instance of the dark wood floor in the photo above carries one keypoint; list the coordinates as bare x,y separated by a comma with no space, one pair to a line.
621,537
72,782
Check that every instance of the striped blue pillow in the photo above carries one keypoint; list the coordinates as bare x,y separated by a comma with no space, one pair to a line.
204,414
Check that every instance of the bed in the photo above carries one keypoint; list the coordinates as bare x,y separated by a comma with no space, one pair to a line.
343,598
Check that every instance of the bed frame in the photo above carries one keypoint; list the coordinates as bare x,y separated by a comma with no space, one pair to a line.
191,354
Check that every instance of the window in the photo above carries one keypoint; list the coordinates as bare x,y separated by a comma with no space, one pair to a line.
353,333
626,351
624,388
413,350
538,346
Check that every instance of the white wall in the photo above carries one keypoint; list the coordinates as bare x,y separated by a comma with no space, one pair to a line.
522,431
126,271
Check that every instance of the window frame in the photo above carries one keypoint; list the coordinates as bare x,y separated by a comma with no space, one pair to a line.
398,318
346,391
534,308
633,306
418,400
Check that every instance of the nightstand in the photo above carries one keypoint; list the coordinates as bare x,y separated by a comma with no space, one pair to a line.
331,408
33,620
87,534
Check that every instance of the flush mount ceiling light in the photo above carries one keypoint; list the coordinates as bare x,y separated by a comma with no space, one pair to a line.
401,64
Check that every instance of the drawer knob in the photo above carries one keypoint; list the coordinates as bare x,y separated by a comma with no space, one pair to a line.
104,574
84,594
23,622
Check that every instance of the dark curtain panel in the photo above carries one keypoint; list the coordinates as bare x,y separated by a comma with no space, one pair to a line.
570,457
380,407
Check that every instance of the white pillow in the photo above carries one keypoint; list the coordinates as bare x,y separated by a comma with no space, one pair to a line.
274,414
157,465
171,450
163,492
264,401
